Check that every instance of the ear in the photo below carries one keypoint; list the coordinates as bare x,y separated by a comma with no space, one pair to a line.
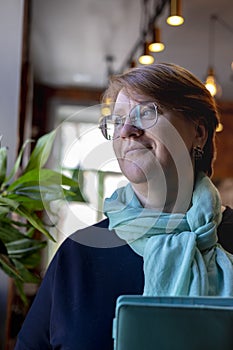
201,135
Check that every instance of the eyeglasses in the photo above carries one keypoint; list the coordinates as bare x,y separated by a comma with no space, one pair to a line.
142,116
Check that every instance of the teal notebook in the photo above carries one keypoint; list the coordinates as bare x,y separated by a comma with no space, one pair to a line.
173,323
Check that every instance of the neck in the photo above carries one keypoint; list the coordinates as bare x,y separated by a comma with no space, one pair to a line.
151,198
165,196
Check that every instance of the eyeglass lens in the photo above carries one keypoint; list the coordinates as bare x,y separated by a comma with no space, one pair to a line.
142,116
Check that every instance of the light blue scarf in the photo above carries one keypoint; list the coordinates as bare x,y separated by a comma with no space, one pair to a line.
180,252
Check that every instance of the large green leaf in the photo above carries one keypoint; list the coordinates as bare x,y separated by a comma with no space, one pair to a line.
22,247
31,261
20,287
39,186
31,204
7,221
34,220
9,233
37,193
8,202
41,152
74,195
17,162
9,268
3,210
41,177
25,274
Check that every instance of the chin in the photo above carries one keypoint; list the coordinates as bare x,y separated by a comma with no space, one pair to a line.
134,172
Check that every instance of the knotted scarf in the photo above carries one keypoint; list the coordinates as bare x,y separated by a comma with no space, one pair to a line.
180,251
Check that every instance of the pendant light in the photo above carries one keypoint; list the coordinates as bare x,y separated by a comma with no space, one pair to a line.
146,57
175,18
210,82
156,45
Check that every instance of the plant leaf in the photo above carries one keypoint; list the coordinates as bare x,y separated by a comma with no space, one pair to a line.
3,210
3,164
8,234
73,195
23,247
8,267
19,285
41,177
8,202
25,274
31,261
34,220
30,204
17,162
41,152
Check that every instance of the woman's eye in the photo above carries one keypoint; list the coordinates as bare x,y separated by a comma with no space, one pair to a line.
148,113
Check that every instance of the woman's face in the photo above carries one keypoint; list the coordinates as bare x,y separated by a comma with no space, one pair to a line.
162,150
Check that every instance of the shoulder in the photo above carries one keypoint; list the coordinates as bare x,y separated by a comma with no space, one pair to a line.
227,219
228,216
225,230
95,236
87,244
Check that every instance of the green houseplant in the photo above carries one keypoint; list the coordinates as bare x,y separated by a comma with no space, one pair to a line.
22,197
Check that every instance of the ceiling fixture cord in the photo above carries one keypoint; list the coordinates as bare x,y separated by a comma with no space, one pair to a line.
210,82
145,29
148,27
151,29
175,17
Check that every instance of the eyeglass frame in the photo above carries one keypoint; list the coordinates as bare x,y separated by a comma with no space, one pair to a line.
124,117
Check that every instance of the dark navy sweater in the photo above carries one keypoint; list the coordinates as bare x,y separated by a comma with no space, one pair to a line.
75,305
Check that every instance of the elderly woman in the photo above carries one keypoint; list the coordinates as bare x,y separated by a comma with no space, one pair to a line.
162,232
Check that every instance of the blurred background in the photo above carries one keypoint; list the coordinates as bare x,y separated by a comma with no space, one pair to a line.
56,59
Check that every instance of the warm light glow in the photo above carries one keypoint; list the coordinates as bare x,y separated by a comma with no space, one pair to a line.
105,111
146,59
156,47
107,100
211,85
175,20
175,17
219,127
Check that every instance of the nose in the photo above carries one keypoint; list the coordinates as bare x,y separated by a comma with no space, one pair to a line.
129,130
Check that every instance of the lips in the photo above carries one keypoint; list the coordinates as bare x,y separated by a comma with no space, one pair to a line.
136,148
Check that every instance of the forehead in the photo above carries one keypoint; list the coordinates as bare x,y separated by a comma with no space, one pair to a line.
126,99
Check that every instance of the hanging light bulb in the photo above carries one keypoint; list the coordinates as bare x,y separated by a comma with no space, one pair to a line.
219,127
146,58
210,82
175,18
156,45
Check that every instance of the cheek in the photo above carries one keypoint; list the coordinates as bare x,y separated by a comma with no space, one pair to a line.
173,138
117,148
